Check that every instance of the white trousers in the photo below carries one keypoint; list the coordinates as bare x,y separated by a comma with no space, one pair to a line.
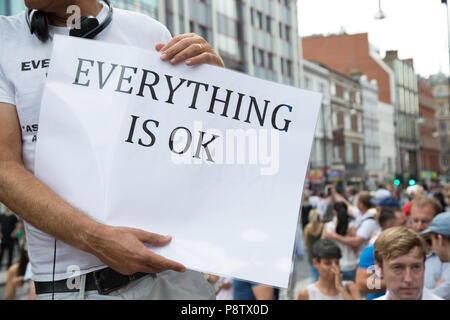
167,285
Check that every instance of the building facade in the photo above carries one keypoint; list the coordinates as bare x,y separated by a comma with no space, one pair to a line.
349,54
406,114
429,144
371,123
441,93
11,7
348,160
257,37
317,78
387,139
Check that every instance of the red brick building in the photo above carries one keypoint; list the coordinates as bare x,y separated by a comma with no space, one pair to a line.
429,146
346,52
349,54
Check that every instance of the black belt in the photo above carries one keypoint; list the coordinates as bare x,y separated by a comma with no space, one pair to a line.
104,281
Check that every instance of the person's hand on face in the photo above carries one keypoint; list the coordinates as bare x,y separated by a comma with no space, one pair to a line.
337,277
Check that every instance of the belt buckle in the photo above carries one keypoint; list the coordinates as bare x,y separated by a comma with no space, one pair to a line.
100,287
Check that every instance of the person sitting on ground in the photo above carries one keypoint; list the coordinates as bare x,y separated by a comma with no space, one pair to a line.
400,259
326,255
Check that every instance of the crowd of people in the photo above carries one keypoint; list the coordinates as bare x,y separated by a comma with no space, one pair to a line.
359,245
385,244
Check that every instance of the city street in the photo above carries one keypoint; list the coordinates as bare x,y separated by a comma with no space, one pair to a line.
206,130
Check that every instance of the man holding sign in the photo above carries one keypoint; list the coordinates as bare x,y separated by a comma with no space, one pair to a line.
24,62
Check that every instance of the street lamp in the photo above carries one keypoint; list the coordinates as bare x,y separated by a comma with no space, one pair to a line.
380,15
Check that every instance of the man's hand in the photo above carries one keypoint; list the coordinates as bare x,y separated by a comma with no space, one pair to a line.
17,281
190,48
123,250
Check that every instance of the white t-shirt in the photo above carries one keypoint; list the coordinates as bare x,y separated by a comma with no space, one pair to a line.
315,294
426,295
365,227
349,258
24,62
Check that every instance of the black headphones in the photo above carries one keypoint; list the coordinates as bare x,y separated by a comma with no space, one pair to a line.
89,25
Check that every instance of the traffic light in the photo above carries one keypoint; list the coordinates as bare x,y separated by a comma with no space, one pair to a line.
396,182
412,182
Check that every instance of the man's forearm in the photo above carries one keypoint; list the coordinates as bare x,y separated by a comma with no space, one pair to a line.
353,242
37,204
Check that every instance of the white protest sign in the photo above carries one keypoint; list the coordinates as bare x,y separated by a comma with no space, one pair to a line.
215,158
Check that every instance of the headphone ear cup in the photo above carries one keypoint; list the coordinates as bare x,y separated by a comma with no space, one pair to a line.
39,26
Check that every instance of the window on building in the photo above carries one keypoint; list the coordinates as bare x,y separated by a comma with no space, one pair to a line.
290,72
354,123
361,154
339,91
269,24
260,19
346,95
261,58
333,88
340,119
204,32
321,88
347,121
307,83
336,153
353,96
348,152
355,153
288,34
334,120
270,61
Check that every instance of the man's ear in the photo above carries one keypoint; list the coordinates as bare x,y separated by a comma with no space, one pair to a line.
440,239
315,263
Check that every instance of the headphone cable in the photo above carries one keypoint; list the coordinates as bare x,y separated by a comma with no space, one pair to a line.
53,278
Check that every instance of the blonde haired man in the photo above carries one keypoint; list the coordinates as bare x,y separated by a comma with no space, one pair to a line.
400,258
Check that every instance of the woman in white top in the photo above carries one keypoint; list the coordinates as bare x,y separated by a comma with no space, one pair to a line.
326,255
342,226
